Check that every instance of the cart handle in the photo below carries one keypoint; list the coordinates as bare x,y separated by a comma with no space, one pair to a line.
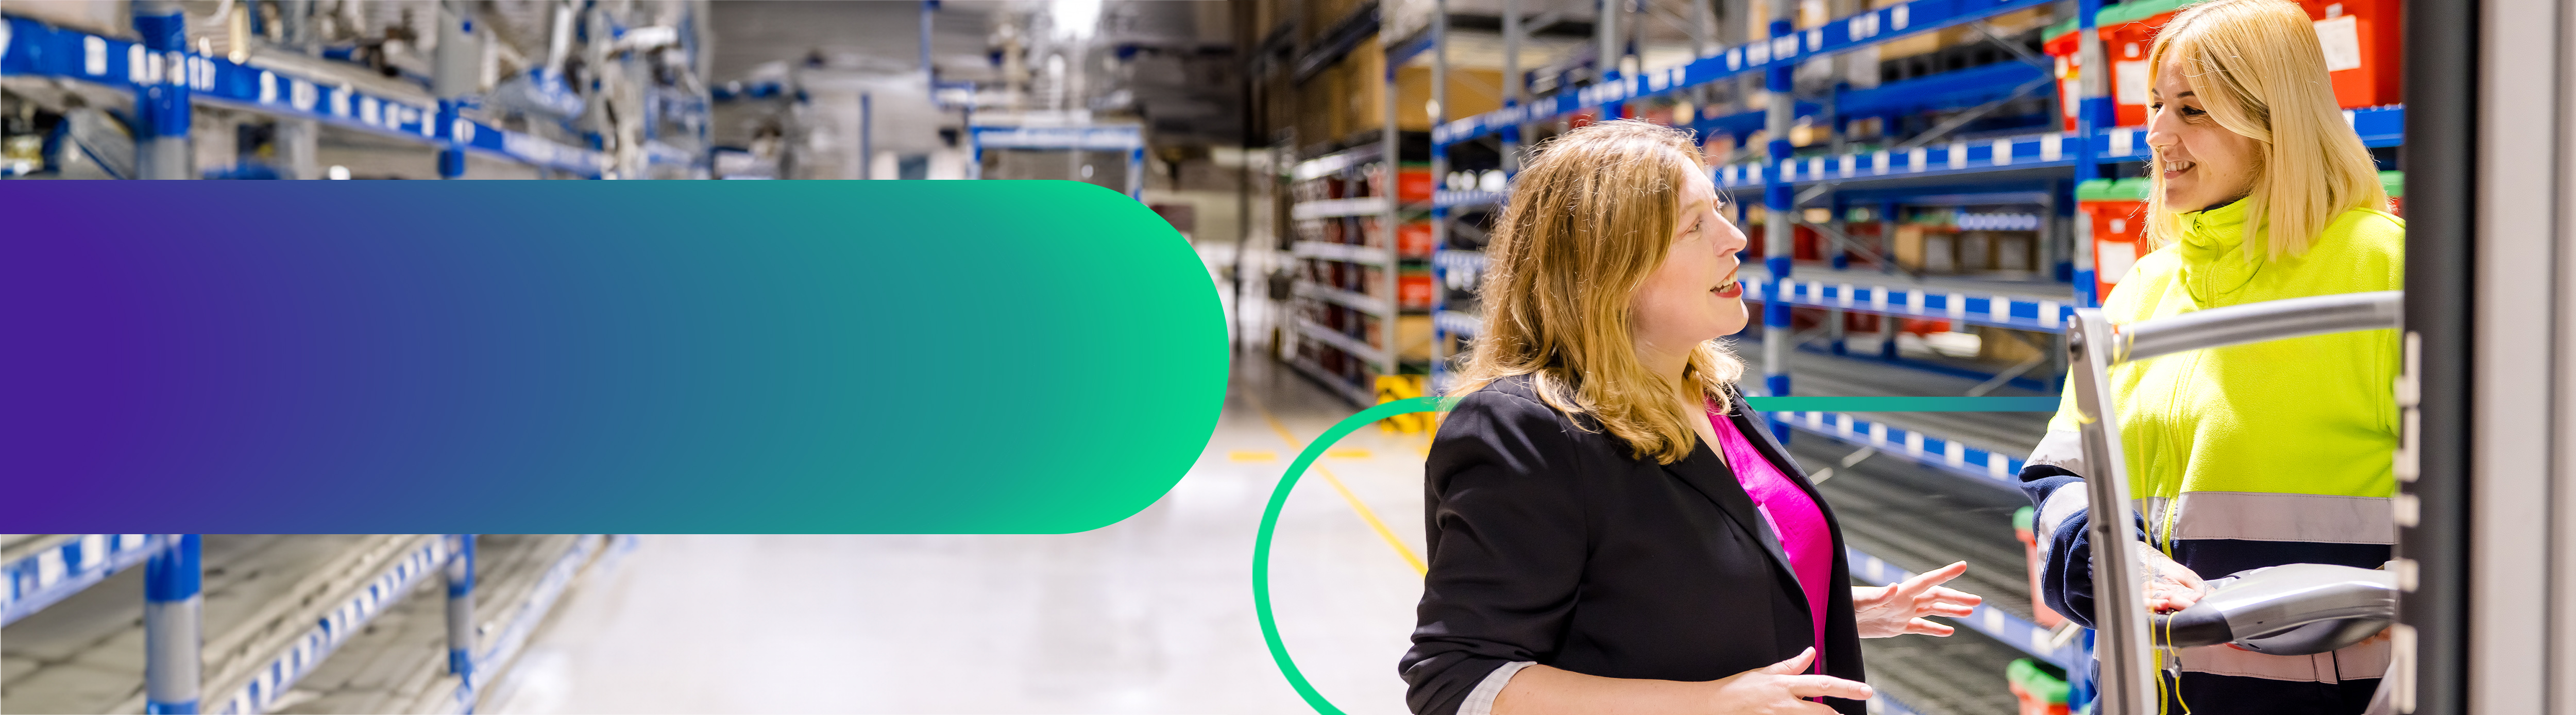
2257,322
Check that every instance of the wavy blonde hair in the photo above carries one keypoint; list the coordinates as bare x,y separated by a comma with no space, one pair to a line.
1589,219
2258,70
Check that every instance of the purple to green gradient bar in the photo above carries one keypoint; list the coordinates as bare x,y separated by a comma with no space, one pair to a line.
596,357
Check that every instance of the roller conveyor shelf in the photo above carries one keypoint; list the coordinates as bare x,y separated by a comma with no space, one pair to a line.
2012,433
1918,520
85,653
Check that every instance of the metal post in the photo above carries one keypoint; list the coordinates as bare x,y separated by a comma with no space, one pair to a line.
298,146
1439,173
1633,46
161,98
460,608
1779,223
1135,171
1514,90
1605,41
1835,318
2053,225
1887,249
928,7
173,627
867,138
299,140
457,67
2128,675
1392,151
295,22
2093,80
1703,34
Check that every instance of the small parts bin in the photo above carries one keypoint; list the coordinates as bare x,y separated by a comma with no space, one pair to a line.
2395,183
2118,210
2039,611
1412,183
2041,688
2127,30
2361,39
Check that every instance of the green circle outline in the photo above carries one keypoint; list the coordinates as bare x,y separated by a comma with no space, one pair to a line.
1270,521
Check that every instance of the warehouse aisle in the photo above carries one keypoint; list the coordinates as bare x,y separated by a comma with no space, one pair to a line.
1153,614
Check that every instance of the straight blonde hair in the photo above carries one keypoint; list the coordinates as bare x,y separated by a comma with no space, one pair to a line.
1589,219
2258,70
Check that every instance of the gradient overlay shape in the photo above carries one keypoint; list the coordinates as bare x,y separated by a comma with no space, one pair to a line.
631,357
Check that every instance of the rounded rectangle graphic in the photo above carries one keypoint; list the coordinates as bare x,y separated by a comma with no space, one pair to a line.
789,357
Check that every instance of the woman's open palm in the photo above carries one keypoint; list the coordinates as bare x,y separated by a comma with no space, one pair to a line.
1889,611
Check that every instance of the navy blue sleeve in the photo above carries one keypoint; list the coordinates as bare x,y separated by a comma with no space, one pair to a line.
2064,541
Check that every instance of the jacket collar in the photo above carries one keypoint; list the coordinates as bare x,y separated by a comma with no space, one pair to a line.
2213,252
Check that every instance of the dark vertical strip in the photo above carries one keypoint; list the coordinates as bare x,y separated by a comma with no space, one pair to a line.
2440,161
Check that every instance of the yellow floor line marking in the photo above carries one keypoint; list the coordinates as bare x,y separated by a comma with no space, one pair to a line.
1246,455
1366,515
1347,453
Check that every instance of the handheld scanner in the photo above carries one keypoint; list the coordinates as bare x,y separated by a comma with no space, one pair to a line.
2293,609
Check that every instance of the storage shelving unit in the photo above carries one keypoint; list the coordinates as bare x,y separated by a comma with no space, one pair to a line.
660,133
1353,316
1990,185
287,623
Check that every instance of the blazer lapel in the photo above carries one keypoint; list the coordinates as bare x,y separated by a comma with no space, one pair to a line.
1711,478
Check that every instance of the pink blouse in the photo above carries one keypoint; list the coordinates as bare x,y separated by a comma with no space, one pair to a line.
1794,518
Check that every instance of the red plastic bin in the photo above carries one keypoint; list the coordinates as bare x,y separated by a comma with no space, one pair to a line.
2365,49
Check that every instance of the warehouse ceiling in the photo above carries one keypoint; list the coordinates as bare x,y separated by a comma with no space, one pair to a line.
1167,64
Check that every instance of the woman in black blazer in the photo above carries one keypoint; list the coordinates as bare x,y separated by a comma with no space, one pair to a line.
1590,550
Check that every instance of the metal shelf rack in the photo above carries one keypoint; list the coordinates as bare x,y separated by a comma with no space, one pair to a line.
1349,316
2035,169
286,603
169,80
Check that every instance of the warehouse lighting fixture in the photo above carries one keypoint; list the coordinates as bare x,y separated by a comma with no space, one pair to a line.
1075,18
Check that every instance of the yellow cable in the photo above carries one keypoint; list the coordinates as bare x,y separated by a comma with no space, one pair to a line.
1419,568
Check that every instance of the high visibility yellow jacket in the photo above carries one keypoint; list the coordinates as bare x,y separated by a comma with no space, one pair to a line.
2249,455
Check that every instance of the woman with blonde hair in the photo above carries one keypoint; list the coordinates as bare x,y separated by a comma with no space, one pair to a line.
2253,455
1610,527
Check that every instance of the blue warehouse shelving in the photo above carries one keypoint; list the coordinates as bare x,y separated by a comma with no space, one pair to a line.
1972,168
279,623
666,136
315,623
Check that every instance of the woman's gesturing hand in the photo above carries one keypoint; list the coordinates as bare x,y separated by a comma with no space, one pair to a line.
1889,611
1782,688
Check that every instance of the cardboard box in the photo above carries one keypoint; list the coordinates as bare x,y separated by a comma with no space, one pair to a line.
1413,338
2014,251
1976,251
1993,344
1926,248
1472,91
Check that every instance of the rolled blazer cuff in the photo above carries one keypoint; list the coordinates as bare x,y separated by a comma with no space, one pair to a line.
1450,683
1481,700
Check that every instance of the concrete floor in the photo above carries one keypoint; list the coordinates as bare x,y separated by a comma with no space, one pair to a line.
1150,615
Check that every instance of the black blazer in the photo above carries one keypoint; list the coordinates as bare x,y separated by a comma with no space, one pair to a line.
1550,543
